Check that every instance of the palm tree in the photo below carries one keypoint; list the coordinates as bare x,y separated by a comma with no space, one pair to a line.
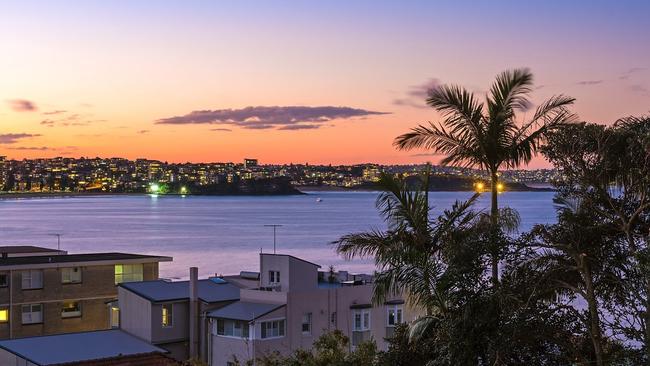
409,255
486,135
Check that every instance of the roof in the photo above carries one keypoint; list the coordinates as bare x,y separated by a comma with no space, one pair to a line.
76,347
26,249
292,257
163,291
73,258
242,310
149,359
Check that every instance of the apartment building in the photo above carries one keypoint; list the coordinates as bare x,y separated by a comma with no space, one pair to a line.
285,306
45,291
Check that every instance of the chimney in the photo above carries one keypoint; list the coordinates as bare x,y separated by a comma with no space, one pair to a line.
194,313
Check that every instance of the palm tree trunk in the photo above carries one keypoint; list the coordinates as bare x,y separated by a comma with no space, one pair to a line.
494,221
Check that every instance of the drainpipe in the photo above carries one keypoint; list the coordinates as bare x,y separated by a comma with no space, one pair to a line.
11,304
194,312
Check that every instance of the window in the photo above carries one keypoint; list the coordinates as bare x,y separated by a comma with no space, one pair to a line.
274,277
167,315
232,328
32,279
361,320
4,315
71,309
394,316
32,313
115,317
4,279
273,329
71,275
306,323
128,273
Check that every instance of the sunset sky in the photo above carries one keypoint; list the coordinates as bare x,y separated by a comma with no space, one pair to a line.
293,81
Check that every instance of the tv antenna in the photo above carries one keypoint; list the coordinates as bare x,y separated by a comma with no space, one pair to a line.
58,240
274,226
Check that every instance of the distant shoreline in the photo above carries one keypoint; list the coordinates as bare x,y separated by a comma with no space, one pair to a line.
517,188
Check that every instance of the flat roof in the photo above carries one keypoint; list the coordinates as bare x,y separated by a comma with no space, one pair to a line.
243,310
164,291
76,347
71,258
26,249
292,257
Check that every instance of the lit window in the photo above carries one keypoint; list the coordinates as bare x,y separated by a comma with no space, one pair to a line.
32,313
274,277
232,328
361,320
273,329
394,316
128,273
32,279
306,323
71,309
167,315
115,317
4,315
71,275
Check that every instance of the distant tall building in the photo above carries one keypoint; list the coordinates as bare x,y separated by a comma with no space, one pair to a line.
250,163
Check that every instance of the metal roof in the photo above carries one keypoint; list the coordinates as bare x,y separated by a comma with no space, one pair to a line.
242,310
163,291
71,258
76,347
26,249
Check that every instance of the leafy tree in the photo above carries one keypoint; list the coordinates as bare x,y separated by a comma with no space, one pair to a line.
486,134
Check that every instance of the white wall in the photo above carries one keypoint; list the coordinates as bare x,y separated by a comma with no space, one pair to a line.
135,314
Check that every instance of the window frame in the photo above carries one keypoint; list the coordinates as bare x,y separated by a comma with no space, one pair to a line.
243,325
274,277
365,320
31,279
167,315
397,309
306,320
8,314
6,277
31,311
71,281
130,275
281,327
72,314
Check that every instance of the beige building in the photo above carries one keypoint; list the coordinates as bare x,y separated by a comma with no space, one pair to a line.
284,307
45,291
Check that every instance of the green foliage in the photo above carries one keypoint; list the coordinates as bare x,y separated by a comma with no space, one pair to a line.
330,349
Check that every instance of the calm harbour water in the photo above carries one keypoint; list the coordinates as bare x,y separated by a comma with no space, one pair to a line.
220,234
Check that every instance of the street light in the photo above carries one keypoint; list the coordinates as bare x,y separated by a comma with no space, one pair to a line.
274,226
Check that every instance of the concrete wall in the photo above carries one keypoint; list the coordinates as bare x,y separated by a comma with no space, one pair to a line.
135,314
295,274
9,359
179,331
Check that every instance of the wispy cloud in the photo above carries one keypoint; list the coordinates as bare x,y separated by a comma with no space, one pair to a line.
221,129
72,119
32,148
590,82
628,73
276,117
49,113
22,105
638,88
142,132
12,138
416,94
299,127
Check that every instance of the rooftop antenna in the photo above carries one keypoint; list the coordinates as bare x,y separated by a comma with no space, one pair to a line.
58,240
274,226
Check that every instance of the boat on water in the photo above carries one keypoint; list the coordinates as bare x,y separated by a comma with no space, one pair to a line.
319,199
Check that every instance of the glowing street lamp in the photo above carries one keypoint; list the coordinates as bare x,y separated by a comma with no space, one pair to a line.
479,186
154,188
500,187
183,190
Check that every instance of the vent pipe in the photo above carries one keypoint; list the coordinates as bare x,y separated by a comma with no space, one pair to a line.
194,313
